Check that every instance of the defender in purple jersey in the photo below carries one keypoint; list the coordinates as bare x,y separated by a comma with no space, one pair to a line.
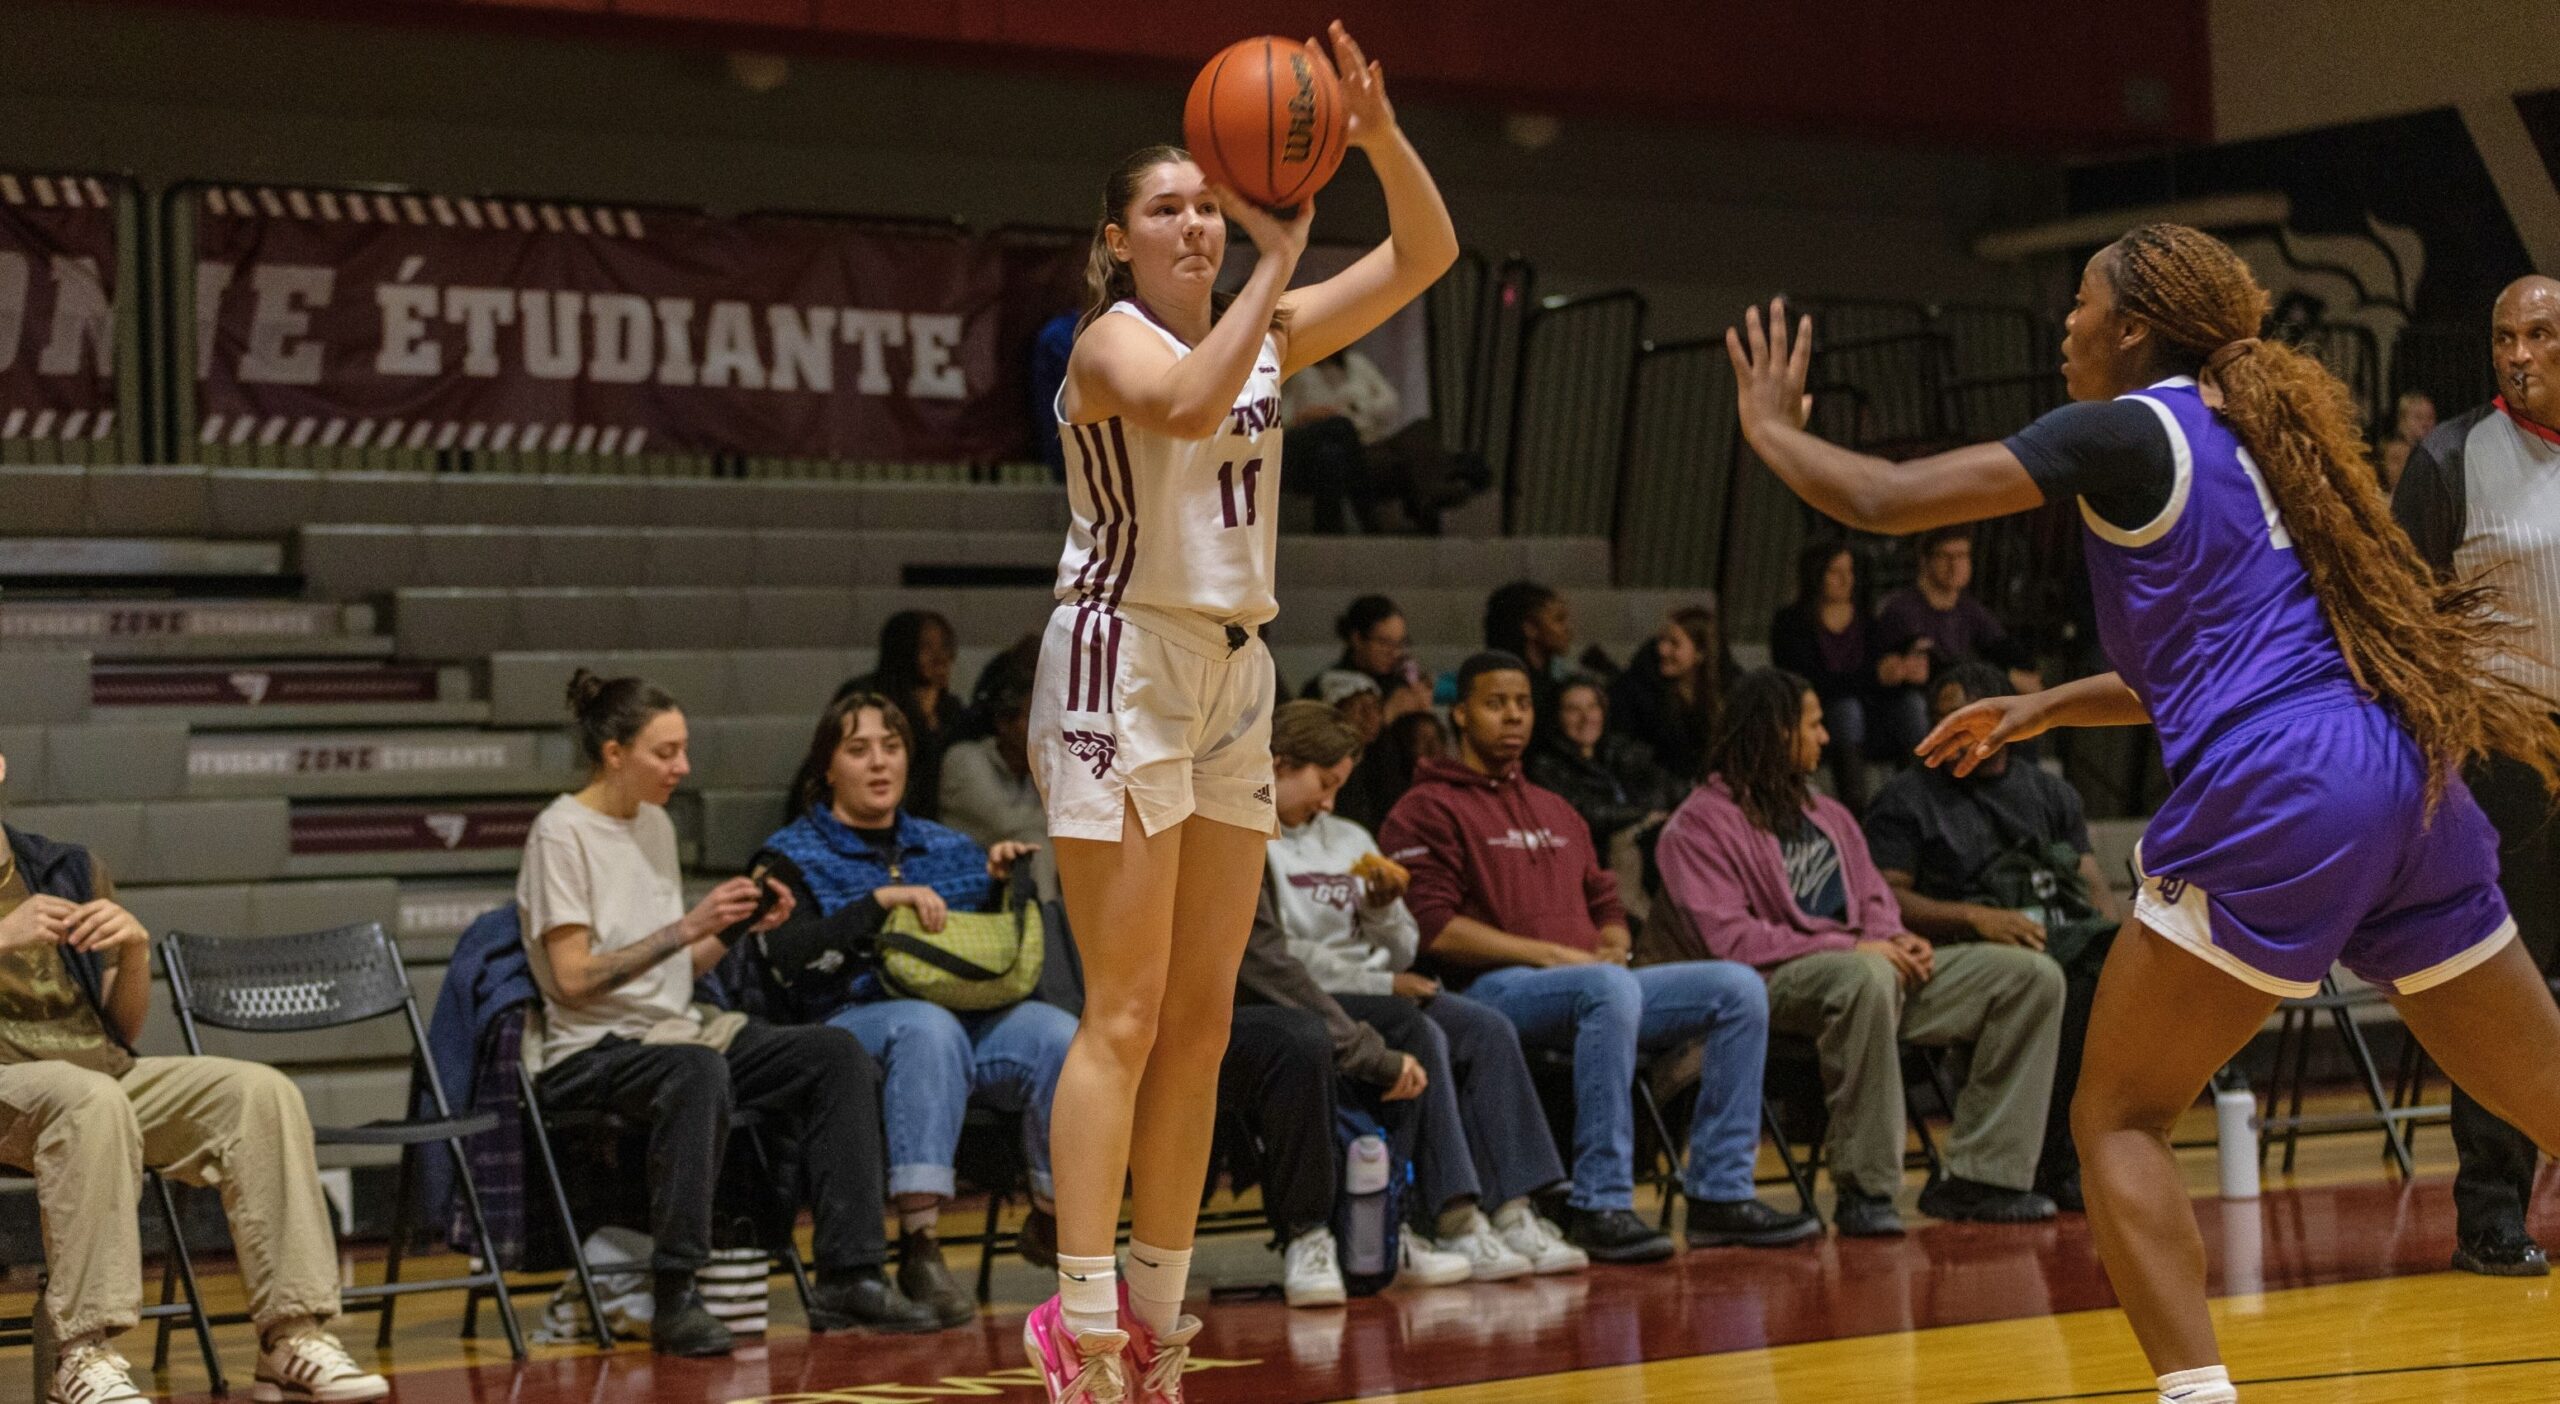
2316,695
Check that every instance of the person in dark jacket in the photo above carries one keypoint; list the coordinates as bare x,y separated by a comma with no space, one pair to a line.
1375,644
858,856
1670,693
1827,637
1609,777
917,650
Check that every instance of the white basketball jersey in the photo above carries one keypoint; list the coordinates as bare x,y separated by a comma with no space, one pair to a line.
1177,524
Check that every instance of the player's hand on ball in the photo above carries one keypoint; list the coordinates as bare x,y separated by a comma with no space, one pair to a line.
1970,735
1272,236
1363,84
1769,369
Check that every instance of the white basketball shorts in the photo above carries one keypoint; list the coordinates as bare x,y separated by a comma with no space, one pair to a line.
1166,711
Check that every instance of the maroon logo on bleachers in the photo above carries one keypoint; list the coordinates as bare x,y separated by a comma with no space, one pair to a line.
1095,749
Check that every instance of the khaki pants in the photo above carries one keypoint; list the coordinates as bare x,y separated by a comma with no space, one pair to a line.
2004,1001
238,1127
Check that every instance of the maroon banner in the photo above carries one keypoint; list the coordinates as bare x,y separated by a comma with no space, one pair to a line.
57,306
431,322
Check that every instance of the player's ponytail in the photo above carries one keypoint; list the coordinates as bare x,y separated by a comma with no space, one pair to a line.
2427,649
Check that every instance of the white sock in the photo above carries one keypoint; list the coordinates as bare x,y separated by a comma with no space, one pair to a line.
923,1220
1089,1293
2210,1385
1157,1279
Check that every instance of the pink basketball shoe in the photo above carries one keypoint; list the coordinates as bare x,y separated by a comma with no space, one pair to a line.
1158,1361
1092,1368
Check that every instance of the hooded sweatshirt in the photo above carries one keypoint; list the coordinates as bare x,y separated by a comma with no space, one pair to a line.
1502,851
1728,879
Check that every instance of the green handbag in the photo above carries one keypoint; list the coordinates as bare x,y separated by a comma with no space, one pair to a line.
977,961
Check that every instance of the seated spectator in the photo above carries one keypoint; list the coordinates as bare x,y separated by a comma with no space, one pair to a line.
1512,905
1826,637
1609,777
1672,689
1534,624
987,791
1337,411
2002,856
860,856
1374,644
1355,698
1333,935
917,649
1276,1127
1386,769
1017,669
1767,872
2413,417
1937,612
616,955
78,1109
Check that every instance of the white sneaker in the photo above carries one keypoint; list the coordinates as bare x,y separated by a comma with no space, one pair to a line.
1489,1259
92,1373
1541,1242
1418,1264
1313,1276
312,1368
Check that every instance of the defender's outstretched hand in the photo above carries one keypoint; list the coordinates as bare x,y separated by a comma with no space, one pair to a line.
1769,369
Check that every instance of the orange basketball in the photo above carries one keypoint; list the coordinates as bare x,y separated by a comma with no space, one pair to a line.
1265,119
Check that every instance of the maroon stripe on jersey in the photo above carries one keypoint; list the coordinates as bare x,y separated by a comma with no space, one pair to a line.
1075,666
1119,513
1096,686
1089,450
1129,494
1111,662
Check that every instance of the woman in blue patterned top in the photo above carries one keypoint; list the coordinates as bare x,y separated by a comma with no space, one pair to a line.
860,857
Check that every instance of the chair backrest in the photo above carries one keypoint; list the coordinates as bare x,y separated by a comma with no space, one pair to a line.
285,984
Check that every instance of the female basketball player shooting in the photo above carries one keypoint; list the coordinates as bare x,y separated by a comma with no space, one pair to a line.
1151,727
2316,697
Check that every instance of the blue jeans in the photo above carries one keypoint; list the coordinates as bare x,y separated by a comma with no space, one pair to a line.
935,1061
1604,1015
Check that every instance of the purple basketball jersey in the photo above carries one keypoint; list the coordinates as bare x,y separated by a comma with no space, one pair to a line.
2205,611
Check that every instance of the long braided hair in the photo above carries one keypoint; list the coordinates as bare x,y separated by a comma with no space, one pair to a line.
2426,649
1755,751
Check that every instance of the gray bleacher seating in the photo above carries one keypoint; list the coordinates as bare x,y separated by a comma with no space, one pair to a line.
171,840
39,685
75,763
728,826
346,763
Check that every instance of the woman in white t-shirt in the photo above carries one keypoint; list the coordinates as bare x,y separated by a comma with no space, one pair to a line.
1150,729
615,953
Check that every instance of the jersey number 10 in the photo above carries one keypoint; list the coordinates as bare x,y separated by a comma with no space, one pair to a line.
1227,491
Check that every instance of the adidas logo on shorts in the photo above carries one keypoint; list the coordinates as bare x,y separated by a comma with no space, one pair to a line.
1262,795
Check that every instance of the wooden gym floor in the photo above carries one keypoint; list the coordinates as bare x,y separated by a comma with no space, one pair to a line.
2332,1288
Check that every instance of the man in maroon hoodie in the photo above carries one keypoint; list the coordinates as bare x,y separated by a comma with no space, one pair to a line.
1515,908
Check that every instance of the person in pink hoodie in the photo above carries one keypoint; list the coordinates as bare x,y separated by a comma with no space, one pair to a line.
1514,907
1766,872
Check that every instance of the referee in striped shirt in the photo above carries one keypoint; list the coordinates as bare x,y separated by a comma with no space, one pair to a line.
2482,494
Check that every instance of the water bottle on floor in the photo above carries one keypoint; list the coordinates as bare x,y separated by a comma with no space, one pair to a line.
2235,1120
1365,1172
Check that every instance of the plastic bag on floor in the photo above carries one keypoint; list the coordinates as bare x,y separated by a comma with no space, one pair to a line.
619,1260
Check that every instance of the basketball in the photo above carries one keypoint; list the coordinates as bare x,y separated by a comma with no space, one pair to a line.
1265,119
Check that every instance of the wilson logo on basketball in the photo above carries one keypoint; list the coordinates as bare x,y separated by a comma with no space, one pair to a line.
1094,749
1302,110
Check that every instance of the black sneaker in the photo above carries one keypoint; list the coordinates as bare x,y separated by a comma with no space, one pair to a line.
1038,1240
2064,1191
1617,1236
2505,1251
870,1304
1748,1222
688,1328
1866,1216
926,1280
1973,1202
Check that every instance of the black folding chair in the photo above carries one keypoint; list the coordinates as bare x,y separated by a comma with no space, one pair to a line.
744,1123
327,980
2295,1020
179,1299
1797,1060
